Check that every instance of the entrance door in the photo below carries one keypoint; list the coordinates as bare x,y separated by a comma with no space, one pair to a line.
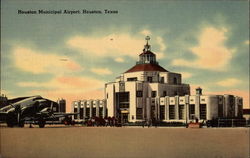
124,118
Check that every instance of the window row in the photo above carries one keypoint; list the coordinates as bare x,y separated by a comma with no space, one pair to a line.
172,112
86,114
182,111
153,94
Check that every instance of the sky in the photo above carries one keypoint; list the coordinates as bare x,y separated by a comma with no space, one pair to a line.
72,56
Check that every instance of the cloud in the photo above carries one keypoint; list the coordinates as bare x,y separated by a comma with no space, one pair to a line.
67,84
101,71
211,52
8,94
230,82
159,55
160,41
30,84
113,45
40,62
110,45
186,75
119,60
146,32
163,47
67,87
4,92
247,42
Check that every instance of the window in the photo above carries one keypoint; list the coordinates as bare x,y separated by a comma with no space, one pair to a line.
203,111
181,112
132,79
220,110
75,111
162,80
138,93
171,112
93,112
152,111
231,109
139,113
240,101
175,80
123,96
87,113
220,99
202,99
107,95
150,79
191,111
164,93
106,113
81,113
153,94
162,112
152,108
122,99
101,112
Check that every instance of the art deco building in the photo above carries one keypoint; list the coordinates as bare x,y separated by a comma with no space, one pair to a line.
148,91
128,96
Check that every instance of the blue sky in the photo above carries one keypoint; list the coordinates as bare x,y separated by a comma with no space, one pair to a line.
72,56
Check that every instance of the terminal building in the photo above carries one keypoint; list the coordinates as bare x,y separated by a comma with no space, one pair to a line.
148,91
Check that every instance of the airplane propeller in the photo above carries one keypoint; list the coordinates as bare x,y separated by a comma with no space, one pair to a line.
51,106
51,109
18,112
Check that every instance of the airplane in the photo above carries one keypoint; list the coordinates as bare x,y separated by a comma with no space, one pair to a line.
34,109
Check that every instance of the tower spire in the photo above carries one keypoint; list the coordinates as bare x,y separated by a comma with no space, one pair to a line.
147,46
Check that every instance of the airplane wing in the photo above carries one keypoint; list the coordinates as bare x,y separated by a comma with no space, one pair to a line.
47,116
59,115
14,100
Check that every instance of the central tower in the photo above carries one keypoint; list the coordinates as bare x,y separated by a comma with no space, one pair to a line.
147,56
147,61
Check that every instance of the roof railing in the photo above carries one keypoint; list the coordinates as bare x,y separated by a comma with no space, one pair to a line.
148,62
